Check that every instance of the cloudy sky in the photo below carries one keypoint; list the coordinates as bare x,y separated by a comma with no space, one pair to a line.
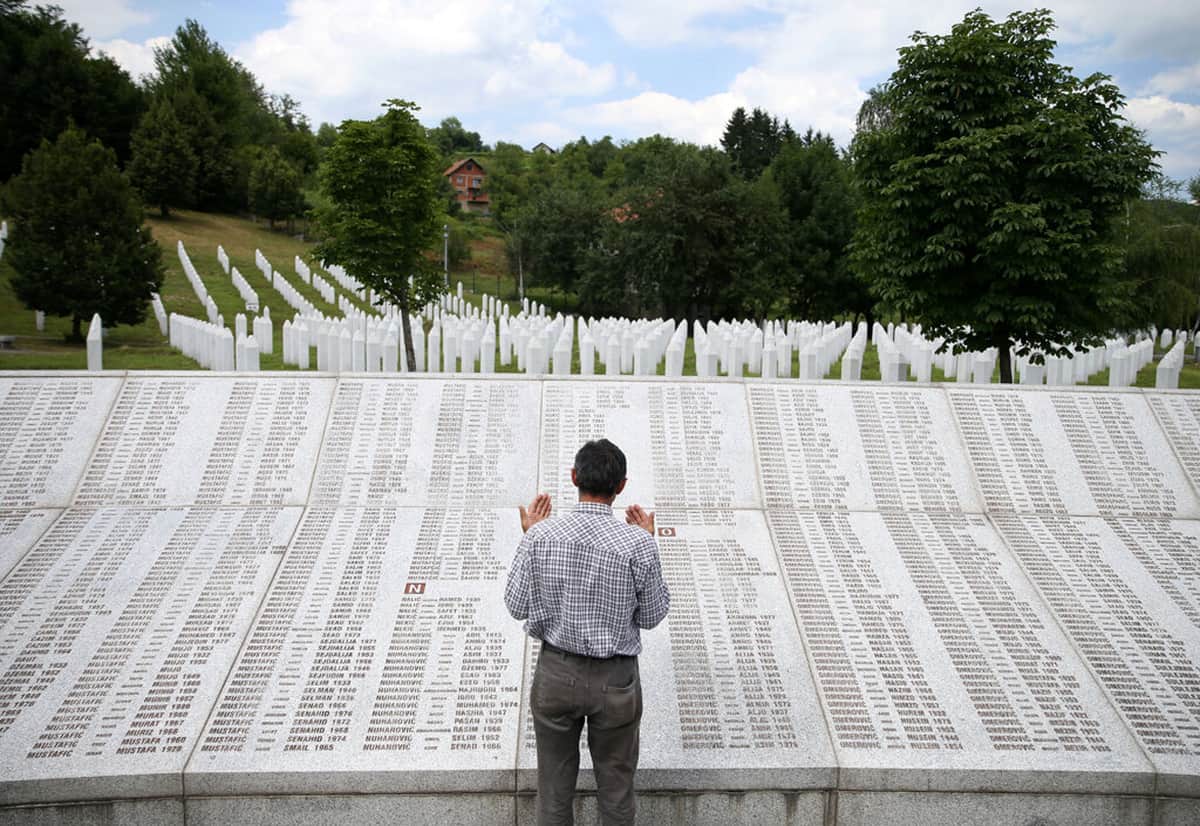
527,71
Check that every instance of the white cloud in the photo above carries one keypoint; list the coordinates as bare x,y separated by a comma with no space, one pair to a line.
551,133
1180,79
701,120
458,57
1156,29
546,68
103,18
135,58
1173,127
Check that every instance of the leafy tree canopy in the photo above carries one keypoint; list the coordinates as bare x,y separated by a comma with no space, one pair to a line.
78,244
50,80
1162,258
381,180
451,138
275,192
992,190
163,167
227,116
815,187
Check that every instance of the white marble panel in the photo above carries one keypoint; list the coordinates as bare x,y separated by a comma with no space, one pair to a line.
1179,416
116,631
1083,452
430,442
208,440
687,444
837,447
728,698
939,667
18,531
1128,592
383,660
48,427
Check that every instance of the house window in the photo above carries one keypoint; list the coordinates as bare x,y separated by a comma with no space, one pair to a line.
470,166
477,182
460,179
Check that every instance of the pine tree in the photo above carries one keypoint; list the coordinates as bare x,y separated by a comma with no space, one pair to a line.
78,245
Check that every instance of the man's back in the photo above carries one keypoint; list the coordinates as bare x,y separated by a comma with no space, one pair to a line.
586,583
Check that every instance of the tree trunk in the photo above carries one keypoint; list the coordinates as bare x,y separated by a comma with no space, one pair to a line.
1004,345
165,210
406,327
77,328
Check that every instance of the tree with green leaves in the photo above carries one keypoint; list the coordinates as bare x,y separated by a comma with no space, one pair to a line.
451,138
1193,187
1162,256
816,189
51,80
227,116
274,189
686,237
78,245
380,179
992,190
326,135
163,167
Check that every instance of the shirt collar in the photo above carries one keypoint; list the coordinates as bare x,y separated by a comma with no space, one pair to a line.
593,508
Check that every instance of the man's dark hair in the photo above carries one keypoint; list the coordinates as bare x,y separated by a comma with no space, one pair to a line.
599,468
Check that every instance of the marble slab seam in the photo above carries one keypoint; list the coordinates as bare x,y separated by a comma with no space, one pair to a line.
758,481
246,633
97,440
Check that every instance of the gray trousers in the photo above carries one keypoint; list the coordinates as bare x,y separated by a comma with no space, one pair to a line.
607,693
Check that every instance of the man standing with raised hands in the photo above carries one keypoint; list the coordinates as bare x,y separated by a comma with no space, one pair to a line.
585,584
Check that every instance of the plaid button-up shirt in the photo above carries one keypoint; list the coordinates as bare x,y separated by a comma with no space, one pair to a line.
586,583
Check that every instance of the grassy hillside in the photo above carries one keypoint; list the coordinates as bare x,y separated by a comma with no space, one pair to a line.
142,347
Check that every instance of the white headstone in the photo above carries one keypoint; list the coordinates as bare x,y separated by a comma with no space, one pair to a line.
95,345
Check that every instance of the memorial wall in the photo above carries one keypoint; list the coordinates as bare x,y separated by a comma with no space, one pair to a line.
279,599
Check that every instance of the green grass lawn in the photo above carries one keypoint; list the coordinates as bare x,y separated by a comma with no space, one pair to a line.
142,347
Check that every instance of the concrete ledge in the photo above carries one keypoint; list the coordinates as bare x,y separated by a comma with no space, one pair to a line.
161,812
954,809
434,810
704,808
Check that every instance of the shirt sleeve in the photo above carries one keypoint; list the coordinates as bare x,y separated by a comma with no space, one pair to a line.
652,595
516,592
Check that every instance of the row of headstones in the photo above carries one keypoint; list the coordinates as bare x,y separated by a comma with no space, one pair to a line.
900,349
249,294
732,348
282,286
210,306
489,307
742,342
351,285
216,347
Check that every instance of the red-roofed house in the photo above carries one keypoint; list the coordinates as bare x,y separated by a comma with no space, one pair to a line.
467,177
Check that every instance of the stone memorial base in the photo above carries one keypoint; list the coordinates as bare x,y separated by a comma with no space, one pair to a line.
277,599
759,807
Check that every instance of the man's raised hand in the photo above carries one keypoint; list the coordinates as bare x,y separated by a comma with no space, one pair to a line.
538,510
637,515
